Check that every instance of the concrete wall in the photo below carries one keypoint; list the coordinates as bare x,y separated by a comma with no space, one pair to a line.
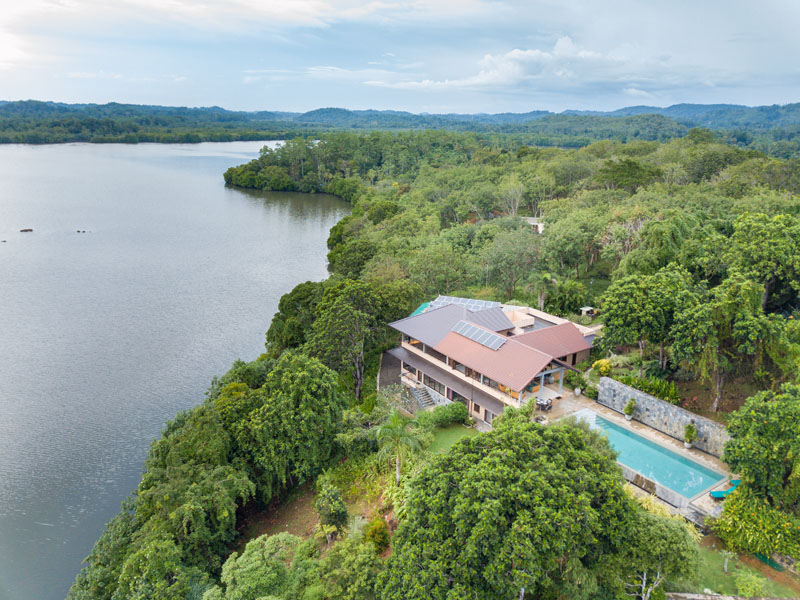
663,416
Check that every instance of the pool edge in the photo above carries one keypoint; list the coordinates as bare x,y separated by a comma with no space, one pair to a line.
660,490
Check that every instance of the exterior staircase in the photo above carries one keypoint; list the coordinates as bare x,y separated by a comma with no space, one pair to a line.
423,397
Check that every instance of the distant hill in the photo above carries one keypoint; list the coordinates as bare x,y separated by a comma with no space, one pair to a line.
711,116
772,129
715,116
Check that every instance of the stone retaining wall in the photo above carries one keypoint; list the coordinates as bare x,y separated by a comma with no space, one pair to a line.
663,416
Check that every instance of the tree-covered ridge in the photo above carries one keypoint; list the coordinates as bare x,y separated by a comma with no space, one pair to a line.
267,426
774,130
698,240
690,249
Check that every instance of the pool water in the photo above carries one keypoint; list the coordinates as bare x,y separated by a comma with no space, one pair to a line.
654,461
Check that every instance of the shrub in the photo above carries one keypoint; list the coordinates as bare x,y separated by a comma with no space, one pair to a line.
591,392
574,379
442,416
750,524
690,433
330,507
377,532
630,407
654,386
683,374
653,369
749,583
602,367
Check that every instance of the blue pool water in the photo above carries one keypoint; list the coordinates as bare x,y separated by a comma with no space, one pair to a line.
678,473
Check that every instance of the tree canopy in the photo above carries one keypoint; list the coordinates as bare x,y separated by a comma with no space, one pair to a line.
521,507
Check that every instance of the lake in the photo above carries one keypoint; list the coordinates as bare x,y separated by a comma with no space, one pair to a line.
105,335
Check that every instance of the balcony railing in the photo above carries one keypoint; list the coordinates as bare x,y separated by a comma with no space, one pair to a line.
473,381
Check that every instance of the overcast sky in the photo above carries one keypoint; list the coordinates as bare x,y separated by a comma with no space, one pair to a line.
417,55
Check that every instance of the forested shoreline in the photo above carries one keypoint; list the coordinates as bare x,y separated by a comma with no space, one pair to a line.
773,130
690,248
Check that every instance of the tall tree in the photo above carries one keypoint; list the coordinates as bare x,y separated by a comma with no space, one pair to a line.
439,269
628,174
511,193
670,290
767,250
541,284
765,446
725,330
291,436
629,313
521,511
510,257
657,549
339,338
397,439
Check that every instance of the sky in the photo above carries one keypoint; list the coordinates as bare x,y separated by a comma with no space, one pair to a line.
434,56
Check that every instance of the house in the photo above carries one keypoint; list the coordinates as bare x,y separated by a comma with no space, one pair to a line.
487,355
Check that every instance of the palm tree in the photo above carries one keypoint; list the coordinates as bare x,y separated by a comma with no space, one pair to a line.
397,439
542,285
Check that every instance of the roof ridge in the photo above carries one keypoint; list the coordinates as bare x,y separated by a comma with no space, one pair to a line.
427,312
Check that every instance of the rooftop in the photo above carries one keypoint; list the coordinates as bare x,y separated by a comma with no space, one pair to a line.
501,342
558,340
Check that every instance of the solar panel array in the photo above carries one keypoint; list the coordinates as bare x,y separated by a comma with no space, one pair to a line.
476,334
469,303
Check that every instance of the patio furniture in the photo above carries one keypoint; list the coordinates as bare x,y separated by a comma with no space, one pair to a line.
719,495
544,404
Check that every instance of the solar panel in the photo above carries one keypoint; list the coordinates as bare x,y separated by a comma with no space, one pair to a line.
476,334
469,303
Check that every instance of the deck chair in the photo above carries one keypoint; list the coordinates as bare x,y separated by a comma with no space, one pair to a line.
719,495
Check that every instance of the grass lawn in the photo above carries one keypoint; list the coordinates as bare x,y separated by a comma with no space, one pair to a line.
447,436
294,514
712,577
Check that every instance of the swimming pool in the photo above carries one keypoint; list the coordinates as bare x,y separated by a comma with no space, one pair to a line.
678,473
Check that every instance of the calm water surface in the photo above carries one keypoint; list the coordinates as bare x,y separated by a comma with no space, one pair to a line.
105,335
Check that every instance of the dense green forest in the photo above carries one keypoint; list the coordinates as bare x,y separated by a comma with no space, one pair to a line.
689,247
774,130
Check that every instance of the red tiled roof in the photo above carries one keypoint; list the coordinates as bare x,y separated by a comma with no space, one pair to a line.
557,341
513,364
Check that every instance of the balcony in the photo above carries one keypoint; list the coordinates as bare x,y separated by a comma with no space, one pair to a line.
472,380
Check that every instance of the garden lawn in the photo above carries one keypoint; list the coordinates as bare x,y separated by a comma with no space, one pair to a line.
712,577
447,436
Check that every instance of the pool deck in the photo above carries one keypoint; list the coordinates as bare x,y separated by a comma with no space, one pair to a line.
569,404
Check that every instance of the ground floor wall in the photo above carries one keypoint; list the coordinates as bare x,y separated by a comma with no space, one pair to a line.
444,394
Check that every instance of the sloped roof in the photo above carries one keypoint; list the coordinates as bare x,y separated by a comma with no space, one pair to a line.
430,326
513,364
471,304
493,319
557,341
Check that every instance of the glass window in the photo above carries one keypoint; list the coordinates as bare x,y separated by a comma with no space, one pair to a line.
434,385
459,398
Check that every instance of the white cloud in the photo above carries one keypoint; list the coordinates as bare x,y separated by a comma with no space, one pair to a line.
566,67
636,93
